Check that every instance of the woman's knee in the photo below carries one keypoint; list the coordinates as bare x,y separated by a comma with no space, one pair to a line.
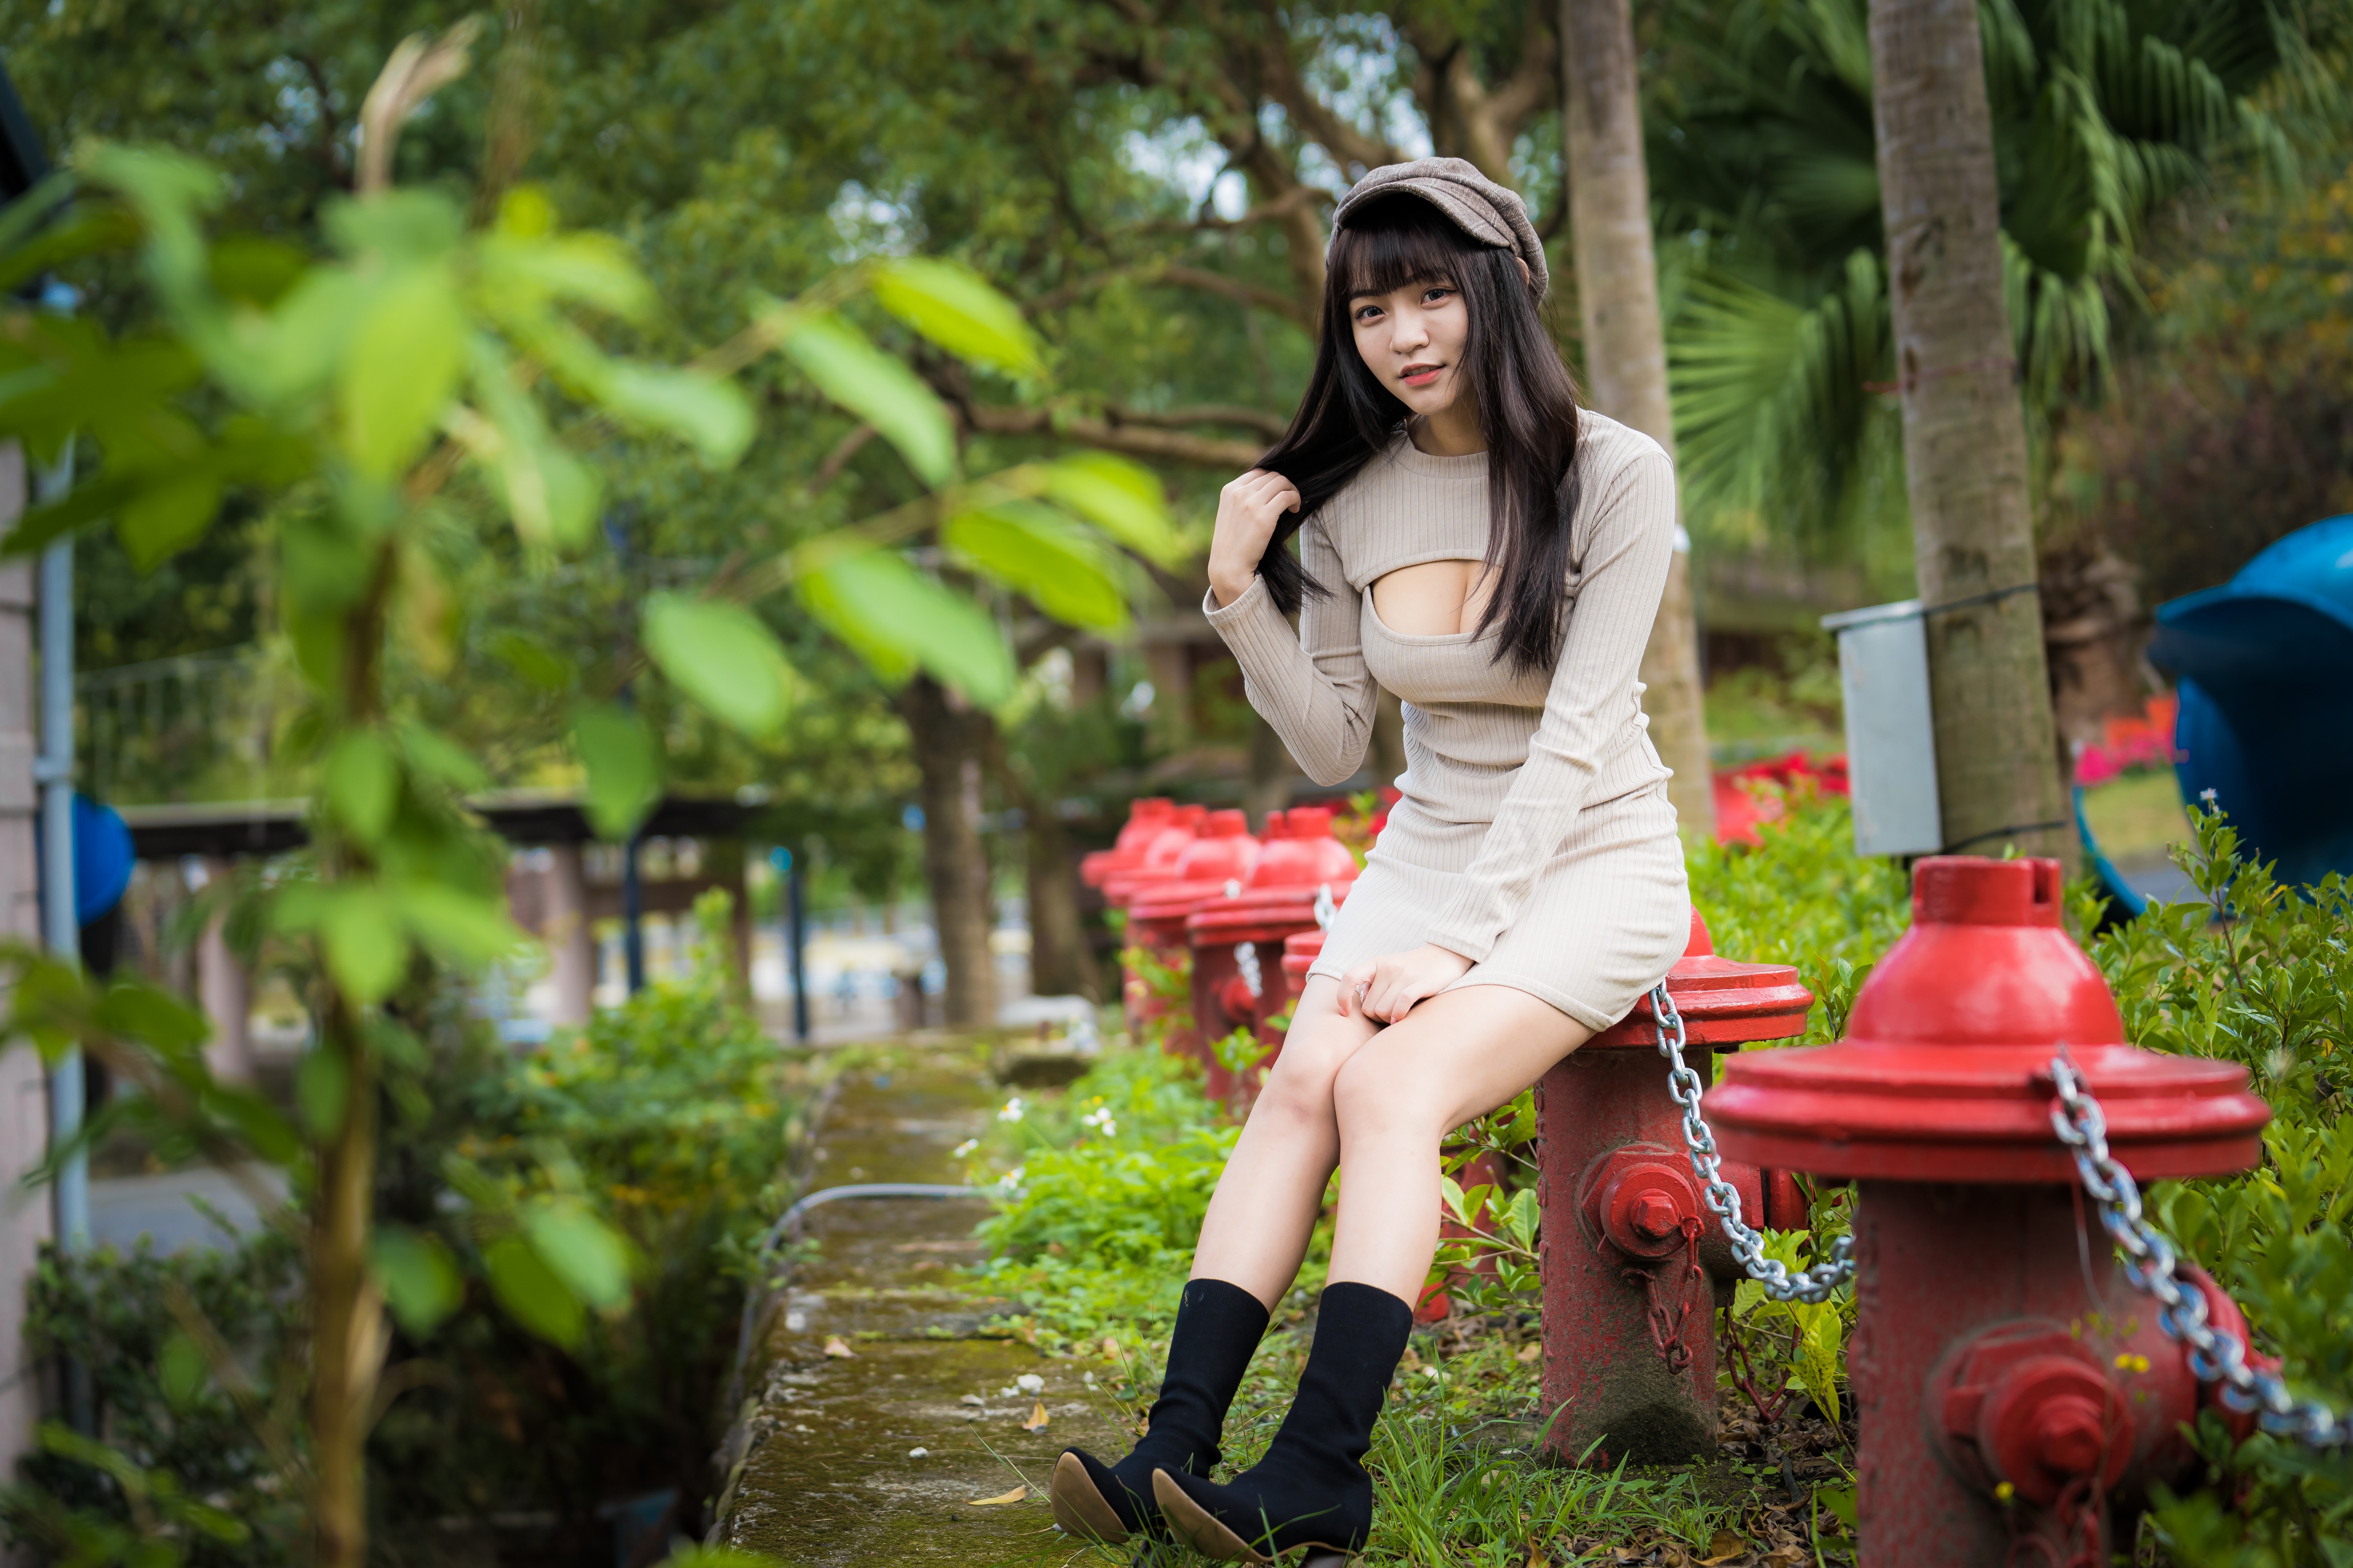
1378,1092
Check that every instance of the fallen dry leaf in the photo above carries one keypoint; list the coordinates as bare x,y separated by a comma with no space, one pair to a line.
1529,1352
1015,1495
1037,1418
835,1346
1536,1558
1722,1548
1111,1348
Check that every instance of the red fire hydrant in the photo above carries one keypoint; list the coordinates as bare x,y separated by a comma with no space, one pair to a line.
1221,855
1152,865
1631,1260
1236,939
2015,1394
1145,818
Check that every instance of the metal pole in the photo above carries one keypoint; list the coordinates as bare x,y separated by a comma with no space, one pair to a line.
61,929
633,905
797,940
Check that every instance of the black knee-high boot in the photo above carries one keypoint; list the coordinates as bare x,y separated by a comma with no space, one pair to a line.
1310,1489
1218,1327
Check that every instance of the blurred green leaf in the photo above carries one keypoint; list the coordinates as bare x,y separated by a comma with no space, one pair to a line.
366,951
584,268
139,1011
723,657
441,758
532,1293
550,493
362,783
1036,551
400,368
590,1255
710,415
417,1276
267,1132
181,1370
873,599
322,1092
623,762
166,518
879,389
457,926
957,308
410,224
545,669
1122,500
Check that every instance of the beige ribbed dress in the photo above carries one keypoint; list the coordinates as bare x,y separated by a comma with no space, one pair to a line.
1533,836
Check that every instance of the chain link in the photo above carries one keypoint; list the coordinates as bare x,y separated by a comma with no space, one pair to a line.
1723,1198
2215,1355
1246,963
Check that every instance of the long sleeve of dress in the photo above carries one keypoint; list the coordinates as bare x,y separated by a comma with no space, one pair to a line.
1311,686
1621,575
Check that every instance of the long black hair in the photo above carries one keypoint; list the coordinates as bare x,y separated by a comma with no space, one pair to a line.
1527,415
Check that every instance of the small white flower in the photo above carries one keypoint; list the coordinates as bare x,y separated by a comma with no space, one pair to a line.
967,1147
2207,796
1011,1178
1090,1380
1008,1392
1110,1127
1012,1111
1031,1383
919,1453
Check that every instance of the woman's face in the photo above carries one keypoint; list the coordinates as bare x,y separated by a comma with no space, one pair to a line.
1412,342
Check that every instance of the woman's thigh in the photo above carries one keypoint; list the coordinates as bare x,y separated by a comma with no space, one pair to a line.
1457,1056
1319,1043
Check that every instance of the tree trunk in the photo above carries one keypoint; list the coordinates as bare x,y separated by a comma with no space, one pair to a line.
1061,961
1964,432
947,736
1626,349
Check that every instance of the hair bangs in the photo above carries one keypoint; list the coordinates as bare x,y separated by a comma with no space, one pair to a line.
1395,242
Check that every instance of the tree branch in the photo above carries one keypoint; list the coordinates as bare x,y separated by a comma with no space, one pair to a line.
1270,425
1352,148
1136,441
1256,294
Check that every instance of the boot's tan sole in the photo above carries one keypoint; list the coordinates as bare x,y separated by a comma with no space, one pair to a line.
1205,1534
1079,1508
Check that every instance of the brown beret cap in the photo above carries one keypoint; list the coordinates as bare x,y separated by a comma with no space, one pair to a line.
1480,207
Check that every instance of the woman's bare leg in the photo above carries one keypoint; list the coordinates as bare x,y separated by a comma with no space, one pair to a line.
1456,1056
1256,1231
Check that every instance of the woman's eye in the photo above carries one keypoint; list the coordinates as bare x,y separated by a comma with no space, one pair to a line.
1435,295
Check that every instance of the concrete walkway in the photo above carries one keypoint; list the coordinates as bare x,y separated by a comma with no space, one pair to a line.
883,1456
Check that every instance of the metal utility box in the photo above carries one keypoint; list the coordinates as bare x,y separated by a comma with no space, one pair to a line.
1891,737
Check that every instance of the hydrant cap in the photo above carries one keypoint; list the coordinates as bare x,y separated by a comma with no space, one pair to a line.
1986,962
1944,1074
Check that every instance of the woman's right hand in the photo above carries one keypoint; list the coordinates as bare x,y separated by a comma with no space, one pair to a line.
1248,509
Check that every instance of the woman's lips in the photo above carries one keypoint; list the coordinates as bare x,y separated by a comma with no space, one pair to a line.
1422,375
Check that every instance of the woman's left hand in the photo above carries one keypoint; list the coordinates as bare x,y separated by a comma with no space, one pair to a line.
1386,989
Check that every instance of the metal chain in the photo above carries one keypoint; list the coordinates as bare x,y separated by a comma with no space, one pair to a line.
1723,1198
1246,963
2215,1355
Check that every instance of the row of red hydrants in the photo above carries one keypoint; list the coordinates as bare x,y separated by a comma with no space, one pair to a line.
2014,1395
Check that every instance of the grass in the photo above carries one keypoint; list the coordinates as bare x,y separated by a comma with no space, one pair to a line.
2137,817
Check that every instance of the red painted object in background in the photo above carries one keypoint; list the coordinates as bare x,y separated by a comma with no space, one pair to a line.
1738,809
1221,854
1145,818
1633,1266
1300,860
1997,1345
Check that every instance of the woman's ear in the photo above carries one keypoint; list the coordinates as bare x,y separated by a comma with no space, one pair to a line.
1526,277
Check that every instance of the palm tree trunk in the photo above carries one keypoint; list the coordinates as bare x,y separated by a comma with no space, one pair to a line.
1626,351
1061,961
1964,432
947,736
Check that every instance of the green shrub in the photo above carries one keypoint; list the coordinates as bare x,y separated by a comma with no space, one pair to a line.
671,1117
2262,975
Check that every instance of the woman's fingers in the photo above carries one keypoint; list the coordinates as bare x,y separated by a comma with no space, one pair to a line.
1353,986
